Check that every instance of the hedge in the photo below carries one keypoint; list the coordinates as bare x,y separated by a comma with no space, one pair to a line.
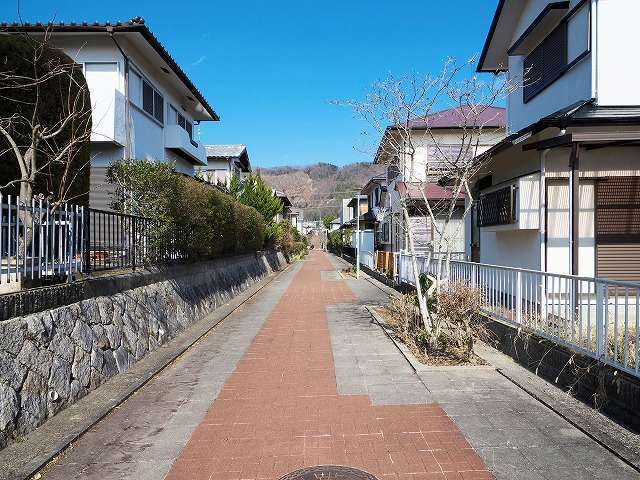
196,218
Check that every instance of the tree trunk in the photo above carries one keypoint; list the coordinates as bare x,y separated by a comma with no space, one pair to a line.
422,303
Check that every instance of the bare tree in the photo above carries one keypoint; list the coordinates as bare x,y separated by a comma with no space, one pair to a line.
401,111
46,122
40,146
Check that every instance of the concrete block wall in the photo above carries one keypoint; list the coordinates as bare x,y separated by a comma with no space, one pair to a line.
50,359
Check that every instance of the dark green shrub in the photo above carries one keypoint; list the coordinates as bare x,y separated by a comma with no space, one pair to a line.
249,229
191,217
221,220
68,177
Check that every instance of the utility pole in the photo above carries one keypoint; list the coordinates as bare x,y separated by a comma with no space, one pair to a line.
358,197
358,237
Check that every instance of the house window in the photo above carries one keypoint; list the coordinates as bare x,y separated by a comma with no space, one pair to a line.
545,63
152,101
617,228
497,207
183,122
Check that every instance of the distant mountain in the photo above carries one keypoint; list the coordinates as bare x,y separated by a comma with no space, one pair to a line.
319,188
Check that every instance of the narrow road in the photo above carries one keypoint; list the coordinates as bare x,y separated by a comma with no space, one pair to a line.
296,377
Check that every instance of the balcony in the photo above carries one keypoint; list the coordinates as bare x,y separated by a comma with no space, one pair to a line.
177,139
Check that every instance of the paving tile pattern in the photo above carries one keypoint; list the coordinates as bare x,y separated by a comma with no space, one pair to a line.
518,437
281,409
142,437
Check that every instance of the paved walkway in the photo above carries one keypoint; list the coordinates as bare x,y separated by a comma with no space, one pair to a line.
300,376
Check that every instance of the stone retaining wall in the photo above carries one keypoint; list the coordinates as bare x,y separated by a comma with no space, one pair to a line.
48,360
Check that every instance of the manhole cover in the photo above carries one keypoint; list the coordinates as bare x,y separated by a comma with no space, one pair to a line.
328,472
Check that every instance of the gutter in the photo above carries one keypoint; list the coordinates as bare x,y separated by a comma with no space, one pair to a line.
127,125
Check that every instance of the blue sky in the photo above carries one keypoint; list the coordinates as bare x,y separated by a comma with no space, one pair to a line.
271,68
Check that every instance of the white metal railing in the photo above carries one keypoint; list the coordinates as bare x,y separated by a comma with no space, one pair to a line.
594,316
38,241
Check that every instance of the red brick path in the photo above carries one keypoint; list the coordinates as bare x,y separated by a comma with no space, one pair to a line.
280,410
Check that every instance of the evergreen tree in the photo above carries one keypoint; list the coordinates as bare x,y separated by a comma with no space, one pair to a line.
256,193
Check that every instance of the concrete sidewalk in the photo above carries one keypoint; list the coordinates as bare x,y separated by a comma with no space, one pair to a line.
300,376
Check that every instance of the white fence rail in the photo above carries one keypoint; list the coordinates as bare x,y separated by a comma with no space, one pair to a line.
38,241
594,316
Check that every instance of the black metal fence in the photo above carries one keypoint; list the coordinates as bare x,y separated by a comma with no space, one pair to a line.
116,240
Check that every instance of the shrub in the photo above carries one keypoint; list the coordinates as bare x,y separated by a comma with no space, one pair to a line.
190,217
194,236
249,226
256,193
454,325
292,243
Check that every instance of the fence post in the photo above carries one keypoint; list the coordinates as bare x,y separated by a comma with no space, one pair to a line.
599,318
87,241
519,297
70,234
474,269
134,236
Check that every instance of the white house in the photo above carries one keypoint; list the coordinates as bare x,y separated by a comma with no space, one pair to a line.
415,176
346,212
562,192
144,106
225,161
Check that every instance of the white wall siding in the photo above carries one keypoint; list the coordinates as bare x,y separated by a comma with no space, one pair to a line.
107,102
182,165
558,223
575,85
618,65
147,137
515,248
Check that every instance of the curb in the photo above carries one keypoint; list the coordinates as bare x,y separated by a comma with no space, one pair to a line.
23,459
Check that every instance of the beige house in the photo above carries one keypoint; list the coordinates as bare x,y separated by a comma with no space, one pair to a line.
414,176
562,192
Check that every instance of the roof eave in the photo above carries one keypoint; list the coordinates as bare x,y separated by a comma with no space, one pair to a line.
487,42
122,28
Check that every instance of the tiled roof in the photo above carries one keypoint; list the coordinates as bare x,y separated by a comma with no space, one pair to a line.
432,191
136,24
459,117
224,151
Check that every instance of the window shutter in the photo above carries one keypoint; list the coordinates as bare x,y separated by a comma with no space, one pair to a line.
158,107
147,98
618,228
533,73
618,210
545,63
555,54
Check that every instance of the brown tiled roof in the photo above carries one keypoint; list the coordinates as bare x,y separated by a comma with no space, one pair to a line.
432,191
460,117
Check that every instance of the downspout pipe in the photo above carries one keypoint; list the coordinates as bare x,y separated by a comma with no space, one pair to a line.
127,124
543,209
